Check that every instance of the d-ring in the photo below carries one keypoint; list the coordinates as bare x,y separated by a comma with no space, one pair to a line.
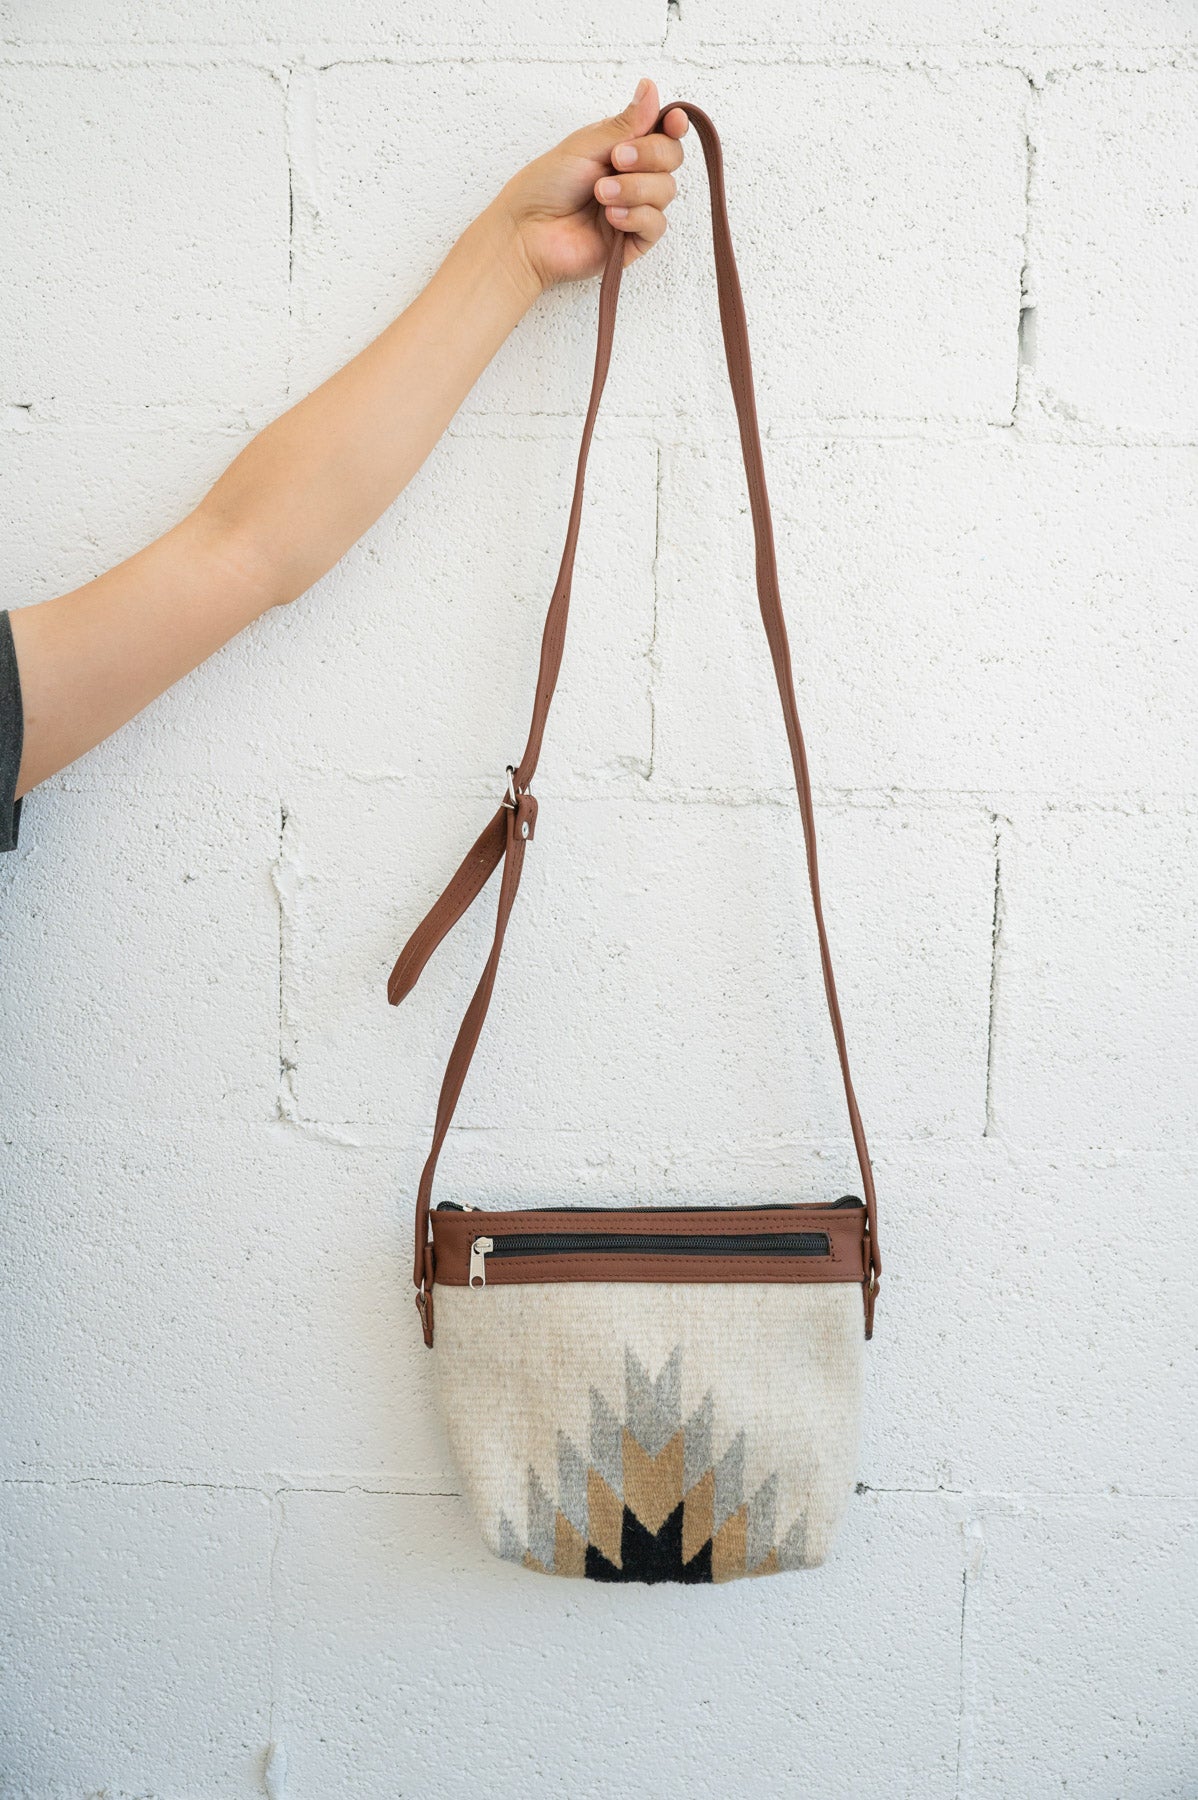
510,798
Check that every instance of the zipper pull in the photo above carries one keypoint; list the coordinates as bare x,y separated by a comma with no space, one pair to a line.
479,1251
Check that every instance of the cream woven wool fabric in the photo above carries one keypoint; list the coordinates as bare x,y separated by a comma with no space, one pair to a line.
654,1431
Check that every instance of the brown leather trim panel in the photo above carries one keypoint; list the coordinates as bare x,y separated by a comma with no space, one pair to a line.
502,1271
846,1260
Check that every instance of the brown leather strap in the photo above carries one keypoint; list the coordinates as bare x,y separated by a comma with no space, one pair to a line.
512,827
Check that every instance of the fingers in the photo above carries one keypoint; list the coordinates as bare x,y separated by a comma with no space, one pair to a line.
657,153
631,129
639,116
644,226
635,205
634,199
635,190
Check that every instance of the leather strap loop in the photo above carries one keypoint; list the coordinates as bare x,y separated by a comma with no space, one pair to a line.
508,833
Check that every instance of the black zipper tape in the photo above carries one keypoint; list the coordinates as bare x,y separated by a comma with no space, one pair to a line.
566,1243
840,1205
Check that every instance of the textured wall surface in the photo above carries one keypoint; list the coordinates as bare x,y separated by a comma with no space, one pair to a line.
233,1560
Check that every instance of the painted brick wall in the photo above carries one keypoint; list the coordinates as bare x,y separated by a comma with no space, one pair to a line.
969,238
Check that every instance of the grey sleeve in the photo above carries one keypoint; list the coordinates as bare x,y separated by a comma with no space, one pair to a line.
12,731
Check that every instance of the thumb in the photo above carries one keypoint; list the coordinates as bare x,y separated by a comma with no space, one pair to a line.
637,118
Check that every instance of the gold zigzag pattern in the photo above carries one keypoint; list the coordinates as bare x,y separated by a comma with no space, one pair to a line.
650,1501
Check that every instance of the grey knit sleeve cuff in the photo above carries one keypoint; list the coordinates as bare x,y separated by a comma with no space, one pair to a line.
12,731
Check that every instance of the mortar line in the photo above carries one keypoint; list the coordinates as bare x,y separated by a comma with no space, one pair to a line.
986,1497
273,1709
23,414
281,951
656,600
271,1487
128,1481
287,126
897,57
973,1560
961,1681
996,923
1025,327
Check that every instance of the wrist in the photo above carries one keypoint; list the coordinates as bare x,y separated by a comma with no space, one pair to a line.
500,230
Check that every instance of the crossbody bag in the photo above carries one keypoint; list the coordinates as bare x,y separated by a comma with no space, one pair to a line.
646,1393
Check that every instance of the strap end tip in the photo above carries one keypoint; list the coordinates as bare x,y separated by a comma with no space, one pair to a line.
398,988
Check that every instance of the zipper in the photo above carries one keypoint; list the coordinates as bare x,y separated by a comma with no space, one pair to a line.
846,1200
479,1251
571,1243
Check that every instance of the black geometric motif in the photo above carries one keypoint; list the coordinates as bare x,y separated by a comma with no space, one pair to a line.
650,1556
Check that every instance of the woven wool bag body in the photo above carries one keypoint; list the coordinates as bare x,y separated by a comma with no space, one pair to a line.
649,1393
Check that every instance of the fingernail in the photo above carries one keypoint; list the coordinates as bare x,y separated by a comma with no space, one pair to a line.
624,155
617,212
641,88
608,189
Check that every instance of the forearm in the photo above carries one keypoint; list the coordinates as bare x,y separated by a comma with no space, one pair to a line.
311,483
280,516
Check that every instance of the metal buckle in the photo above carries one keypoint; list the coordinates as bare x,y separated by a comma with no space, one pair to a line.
511,798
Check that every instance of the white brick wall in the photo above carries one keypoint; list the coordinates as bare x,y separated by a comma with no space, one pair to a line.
969,245
147,211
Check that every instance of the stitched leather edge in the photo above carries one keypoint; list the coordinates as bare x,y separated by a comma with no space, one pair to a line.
590,1266
454,1232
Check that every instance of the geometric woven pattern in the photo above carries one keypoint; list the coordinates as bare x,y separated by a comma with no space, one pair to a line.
653,1498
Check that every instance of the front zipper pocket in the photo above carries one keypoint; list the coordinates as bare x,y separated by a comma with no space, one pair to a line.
754,1206
575,1243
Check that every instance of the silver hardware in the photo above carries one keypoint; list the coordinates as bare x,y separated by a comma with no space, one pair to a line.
524,829
510,798
480,1249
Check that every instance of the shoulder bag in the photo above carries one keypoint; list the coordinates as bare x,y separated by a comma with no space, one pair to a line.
647,1393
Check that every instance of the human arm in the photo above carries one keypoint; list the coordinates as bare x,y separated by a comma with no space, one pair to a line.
311,483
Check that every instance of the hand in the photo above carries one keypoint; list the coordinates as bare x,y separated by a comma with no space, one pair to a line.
608,177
